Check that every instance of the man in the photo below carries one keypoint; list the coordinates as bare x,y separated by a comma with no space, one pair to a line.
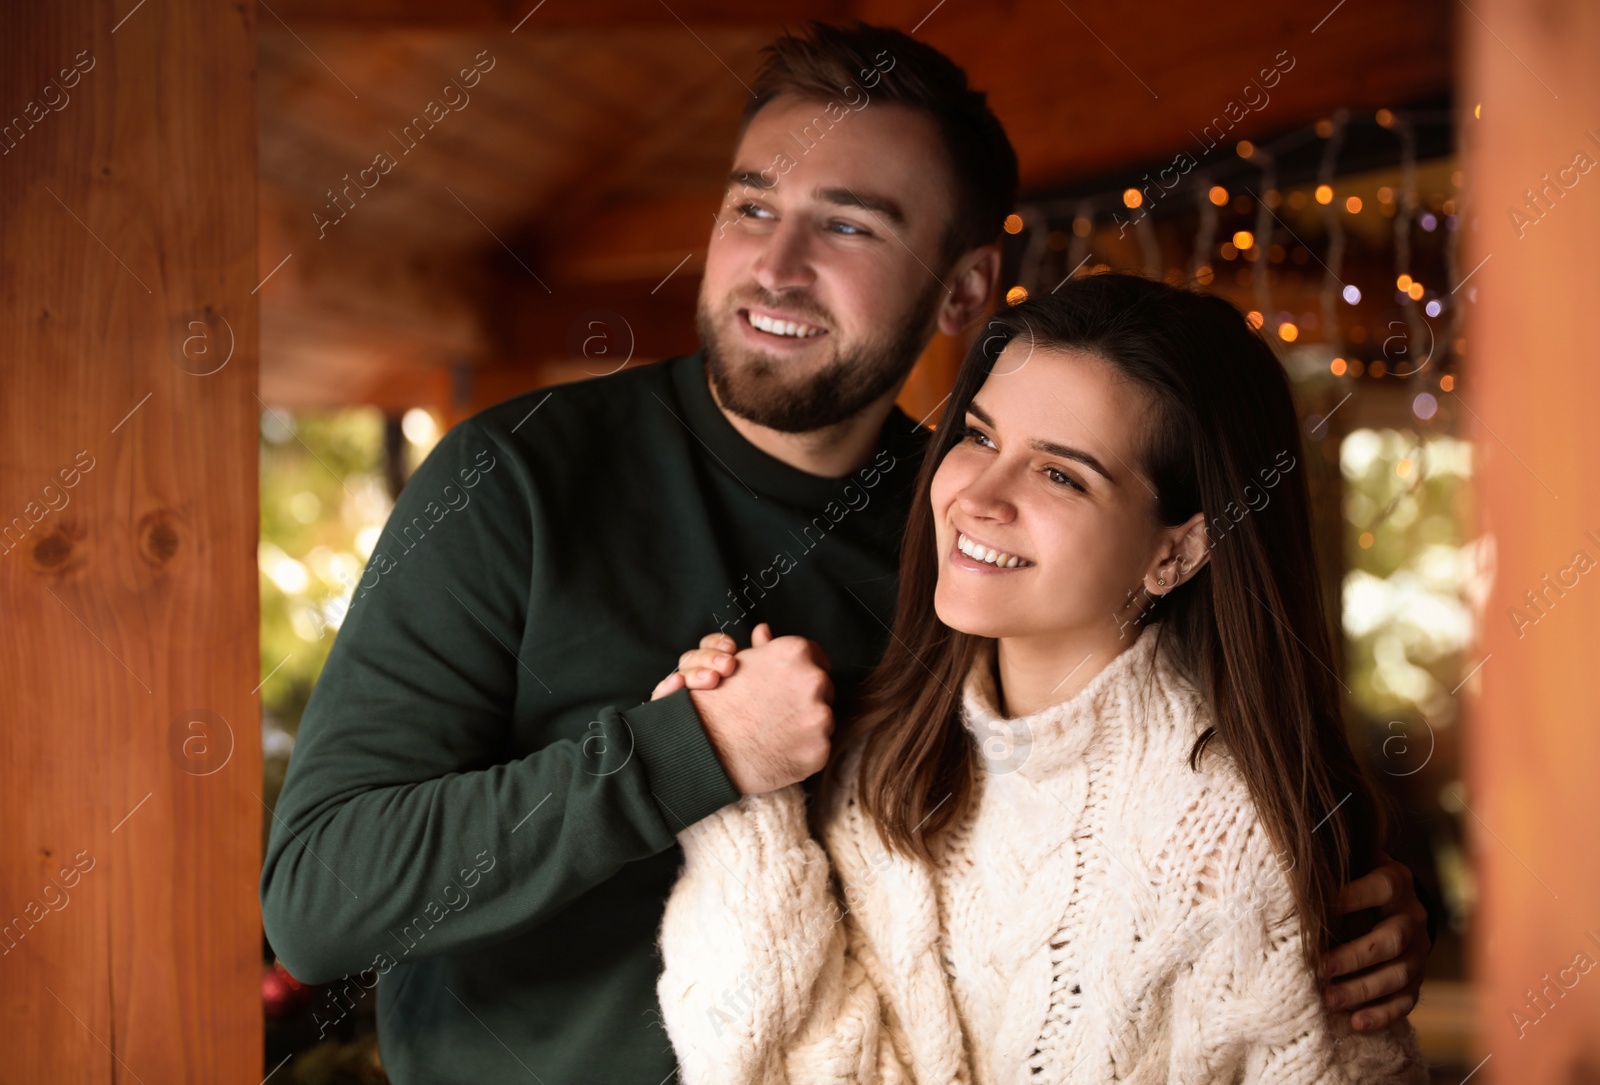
483,804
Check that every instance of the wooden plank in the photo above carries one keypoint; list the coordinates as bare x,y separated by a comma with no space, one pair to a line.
1083,90
1533,386
594,14
129,748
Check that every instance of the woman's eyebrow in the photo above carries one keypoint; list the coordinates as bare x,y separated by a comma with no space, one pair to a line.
1064,451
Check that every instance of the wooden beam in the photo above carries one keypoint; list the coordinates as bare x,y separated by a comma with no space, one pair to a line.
129,732
595,14
1535,199
1084,90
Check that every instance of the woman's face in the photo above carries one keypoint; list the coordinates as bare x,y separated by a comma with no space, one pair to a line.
1047,474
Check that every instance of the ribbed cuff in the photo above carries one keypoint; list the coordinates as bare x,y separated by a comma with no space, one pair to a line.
686,777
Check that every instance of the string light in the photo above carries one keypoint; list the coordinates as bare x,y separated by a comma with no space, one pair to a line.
1218,195
1324,194
1288,332
1013,224
1338,367
1254,319
1353,205
1245,148
1242,239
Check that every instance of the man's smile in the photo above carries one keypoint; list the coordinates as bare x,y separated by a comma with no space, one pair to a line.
767,326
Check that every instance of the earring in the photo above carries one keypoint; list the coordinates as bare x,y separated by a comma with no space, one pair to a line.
1161,580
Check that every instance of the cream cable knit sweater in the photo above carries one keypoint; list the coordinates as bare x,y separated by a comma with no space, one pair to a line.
1106,914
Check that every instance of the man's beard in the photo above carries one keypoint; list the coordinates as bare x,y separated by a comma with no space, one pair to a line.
756,389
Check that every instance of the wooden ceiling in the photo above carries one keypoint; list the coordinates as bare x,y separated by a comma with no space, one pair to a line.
579,172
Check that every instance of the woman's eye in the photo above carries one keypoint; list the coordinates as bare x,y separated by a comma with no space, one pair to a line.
1059,476
971,433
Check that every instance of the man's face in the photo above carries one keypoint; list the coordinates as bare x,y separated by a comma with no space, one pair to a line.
821,281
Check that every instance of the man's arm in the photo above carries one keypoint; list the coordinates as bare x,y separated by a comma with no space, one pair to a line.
402,830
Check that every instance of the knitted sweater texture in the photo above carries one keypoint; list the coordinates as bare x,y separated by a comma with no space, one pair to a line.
1104,913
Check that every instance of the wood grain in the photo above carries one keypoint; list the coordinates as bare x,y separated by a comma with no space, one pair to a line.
129,731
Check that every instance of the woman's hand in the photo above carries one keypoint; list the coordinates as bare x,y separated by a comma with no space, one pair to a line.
1380,974
704,667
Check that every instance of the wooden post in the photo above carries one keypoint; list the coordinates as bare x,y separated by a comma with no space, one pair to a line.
1533,806
129,726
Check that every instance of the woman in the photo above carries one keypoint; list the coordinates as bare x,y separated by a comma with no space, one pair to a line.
1090,822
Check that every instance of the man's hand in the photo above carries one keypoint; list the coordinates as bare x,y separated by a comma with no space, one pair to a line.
1380,973
770,722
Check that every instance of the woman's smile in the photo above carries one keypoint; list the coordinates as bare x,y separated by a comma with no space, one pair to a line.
975,556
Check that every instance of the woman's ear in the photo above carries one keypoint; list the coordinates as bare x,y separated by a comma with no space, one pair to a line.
1185,550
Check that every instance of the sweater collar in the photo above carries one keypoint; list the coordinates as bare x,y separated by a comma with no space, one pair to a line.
903,440
1059,734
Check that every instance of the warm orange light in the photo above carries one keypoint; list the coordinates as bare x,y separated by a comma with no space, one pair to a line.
1324,128
1242,239
1377,369
1384,118
1203,274
1353,204
1082,226
1013,224
1386,194
1016,293
1254,319
1447,383
1246,148
1131,198
1403,282
1324,193
1403,468
1415,291
1337,367
1219,195
1229,251
1366,540
1288,332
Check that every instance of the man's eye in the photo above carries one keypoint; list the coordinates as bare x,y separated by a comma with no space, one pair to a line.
747,209
852,228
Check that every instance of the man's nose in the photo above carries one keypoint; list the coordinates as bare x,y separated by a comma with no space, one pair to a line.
785,260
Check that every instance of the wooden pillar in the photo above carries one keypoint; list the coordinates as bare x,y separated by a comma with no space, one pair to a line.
1533,806
129,725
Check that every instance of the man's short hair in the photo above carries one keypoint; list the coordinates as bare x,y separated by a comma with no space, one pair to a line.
830,63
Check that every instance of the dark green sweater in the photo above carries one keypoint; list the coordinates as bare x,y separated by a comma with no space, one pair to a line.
480,814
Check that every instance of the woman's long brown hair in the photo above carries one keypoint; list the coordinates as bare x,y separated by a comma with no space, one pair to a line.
1249,629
